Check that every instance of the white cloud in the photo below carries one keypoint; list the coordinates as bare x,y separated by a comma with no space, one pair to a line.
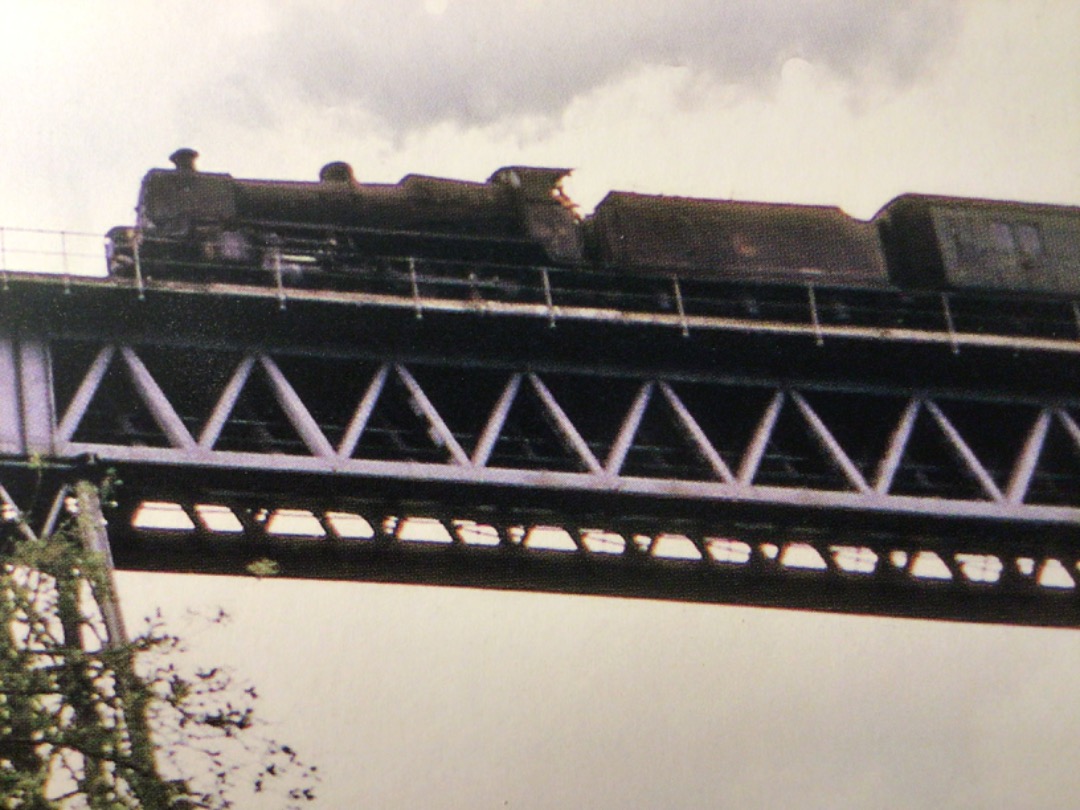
478,62
833,102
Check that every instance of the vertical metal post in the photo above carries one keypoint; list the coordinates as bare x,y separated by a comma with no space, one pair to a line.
278,281
681,307
11,434
415,285
818,337
548,298
64,261
35,392
90,524
138,266
947,311
94,537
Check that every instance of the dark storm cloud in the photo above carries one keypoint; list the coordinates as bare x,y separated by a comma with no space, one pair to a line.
477,62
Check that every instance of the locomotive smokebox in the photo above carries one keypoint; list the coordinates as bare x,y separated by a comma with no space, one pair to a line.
184,159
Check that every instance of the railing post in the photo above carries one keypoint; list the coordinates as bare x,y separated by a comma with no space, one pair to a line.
139,284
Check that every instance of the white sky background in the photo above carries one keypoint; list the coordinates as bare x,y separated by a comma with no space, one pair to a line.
412,697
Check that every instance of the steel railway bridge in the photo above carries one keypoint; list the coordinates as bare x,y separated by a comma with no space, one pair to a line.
869,452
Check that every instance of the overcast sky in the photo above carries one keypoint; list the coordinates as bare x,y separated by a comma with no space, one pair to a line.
412,697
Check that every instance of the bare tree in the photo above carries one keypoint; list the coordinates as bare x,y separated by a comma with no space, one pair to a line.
90,718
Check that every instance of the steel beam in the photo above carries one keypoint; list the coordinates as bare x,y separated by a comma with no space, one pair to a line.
974,577
98,421
674,467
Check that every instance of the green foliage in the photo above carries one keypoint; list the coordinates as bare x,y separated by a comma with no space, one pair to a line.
264,568
91,721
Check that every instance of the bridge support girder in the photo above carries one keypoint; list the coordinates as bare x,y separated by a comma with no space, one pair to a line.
816,475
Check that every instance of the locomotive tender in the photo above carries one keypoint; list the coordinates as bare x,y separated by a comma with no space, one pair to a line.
211,226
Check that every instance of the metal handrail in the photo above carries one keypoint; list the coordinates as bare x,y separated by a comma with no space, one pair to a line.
40,250
300,270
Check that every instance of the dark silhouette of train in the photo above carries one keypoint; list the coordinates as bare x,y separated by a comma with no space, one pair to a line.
199,225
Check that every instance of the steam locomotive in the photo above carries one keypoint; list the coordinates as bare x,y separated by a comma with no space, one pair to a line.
200,225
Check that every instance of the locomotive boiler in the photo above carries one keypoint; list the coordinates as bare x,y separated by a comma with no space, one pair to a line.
191,222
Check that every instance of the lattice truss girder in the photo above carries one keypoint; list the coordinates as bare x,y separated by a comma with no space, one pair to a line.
952,455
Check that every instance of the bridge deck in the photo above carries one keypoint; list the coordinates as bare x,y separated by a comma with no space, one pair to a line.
763,452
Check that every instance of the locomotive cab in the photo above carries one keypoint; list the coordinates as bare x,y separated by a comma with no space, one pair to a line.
547,214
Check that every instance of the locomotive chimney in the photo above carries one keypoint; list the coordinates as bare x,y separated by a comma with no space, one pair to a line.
184,159
337,172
